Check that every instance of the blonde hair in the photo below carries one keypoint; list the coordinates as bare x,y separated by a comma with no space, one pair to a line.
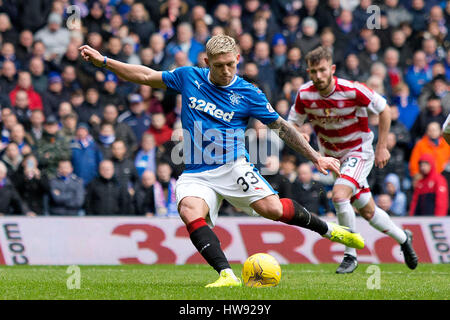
219,44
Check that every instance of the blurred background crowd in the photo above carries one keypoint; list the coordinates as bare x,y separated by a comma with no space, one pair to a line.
77,140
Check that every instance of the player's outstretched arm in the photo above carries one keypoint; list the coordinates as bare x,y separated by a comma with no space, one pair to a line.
297,142
130,72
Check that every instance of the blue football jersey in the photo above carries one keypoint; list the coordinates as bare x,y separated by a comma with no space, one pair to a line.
214,118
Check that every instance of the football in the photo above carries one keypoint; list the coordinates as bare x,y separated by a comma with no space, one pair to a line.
261,270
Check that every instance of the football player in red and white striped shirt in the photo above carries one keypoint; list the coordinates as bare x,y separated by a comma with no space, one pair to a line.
338,110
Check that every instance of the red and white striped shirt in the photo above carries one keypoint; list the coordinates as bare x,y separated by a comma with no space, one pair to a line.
339,119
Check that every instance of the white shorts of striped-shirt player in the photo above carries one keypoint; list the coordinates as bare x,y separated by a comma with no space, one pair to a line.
354,170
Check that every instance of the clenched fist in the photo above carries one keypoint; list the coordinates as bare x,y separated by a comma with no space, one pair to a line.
91,55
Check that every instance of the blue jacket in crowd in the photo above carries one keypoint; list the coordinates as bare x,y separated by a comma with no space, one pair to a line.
85,160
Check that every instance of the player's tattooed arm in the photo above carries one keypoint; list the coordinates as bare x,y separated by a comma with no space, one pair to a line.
294,139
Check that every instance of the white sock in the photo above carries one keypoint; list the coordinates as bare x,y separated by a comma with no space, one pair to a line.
346,218
328,233
382,222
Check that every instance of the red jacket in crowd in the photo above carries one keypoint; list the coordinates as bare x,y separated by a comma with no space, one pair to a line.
34,99
161,135
430,195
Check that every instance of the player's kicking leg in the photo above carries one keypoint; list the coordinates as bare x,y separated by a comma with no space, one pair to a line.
291,212
197,198
193,211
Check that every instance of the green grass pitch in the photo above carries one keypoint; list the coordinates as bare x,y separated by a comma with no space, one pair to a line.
186,282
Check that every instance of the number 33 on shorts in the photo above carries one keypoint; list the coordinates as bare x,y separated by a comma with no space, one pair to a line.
354,167
249,178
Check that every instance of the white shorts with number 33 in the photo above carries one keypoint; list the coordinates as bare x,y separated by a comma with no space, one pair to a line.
240,183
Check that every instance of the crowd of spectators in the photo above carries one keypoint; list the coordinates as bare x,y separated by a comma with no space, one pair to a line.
77,140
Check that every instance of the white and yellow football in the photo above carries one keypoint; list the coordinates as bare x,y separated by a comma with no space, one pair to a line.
261,270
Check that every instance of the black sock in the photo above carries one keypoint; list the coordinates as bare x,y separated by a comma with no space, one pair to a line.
296,214
207,243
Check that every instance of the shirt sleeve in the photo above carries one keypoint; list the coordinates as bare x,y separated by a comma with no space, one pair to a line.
174,79
297,113
367,97
261,109
378,103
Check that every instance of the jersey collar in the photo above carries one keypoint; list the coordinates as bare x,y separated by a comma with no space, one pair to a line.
228,85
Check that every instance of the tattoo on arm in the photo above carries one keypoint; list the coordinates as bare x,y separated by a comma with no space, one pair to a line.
293,138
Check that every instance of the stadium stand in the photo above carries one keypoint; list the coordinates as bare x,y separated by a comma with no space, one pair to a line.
56,107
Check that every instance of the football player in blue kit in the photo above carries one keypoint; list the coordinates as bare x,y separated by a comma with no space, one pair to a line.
216,107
